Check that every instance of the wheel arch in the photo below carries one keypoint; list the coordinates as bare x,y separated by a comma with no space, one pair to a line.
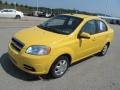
17,16
64,54
108,43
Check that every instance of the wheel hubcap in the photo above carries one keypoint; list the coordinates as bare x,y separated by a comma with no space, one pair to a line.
61,67
105,49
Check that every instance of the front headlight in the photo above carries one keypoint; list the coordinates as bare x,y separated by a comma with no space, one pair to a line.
38,50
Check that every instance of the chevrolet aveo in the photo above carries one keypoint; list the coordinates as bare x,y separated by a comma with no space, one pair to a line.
51,47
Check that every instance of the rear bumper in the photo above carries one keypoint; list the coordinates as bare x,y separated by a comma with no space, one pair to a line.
30,63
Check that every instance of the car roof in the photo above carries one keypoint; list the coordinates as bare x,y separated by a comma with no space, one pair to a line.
83,16
9,9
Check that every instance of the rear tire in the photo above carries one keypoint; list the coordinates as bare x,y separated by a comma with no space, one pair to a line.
104,50
18,17
59,67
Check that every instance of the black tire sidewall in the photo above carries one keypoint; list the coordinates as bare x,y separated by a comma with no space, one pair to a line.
17,17
52,71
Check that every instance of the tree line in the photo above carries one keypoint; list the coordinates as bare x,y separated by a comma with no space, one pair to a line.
14,4
30,9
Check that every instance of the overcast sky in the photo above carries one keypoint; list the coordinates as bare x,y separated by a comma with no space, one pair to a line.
111,7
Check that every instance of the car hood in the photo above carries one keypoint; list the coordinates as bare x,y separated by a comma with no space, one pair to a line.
37,36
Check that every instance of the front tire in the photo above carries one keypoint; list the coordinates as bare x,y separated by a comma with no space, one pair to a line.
60,66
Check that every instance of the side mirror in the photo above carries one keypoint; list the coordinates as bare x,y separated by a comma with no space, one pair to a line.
84,35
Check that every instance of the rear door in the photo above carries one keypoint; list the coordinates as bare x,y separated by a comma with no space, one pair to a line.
11,13
101,34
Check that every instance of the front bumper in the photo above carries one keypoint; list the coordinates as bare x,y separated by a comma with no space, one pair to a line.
30,63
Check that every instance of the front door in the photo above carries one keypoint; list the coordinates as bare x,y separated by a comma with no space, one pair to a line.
86,47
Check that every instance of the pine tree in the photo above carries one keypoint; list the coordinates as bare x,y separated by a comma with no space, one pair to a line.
1,2
6,3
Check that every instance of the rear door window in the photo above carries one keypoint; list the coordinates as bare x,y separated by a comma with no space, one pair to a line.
101,26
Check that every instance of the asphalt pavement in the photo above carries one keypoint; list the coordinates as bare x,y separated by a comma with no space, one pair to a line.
94,73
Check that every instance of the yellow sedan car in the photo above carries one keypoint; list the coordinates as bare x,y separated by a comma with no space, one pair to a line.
51,47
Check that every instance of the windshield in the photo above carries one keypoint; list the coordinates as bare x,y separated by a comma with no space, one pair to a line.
61,24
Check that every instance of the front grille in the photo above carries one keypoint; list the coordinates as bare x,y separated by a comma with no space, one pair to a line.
16,44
